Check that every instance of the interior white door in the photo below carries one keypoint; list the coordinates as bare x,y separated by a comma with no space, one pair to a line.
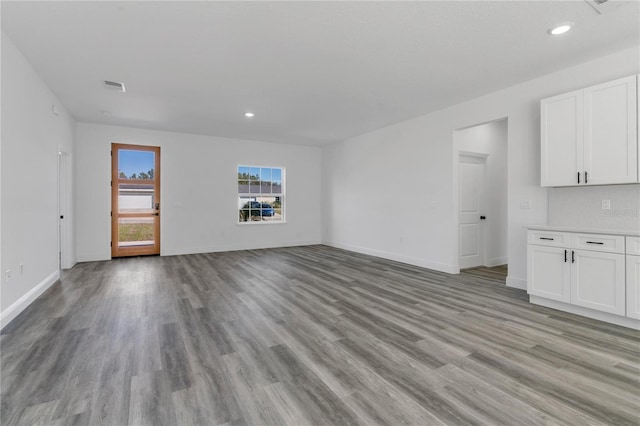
471,171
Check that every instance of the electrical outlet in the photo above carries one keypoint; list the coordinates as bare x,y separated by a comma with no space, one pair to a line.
606,204
525,204
8,273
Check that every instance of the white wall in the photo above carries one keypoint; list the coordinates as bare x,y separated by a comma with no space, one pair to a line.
193,165
489,139
31,138
413,161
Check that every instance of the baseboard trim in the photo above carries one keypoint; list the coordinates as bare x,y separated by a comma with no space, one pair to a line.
516,283
497,261
436,266
235,247
586,312
21,304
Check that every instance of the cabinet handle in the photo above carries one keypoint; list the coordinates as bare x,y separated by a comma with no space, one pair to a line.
545,238
578,177
565,256
595,242
586,178
573,256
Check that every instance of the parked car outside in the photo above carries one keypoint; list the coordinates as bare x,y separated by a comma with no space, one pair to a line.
256,210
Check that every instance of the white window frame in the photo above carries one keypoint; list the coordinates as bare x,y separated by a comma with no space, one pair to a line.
280,194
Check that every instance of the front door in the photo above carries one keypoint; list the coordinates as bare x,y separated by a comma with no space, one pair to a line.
135,200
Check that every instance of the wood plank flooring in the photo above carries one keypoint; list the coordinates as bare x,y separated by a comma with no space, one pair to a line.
307,336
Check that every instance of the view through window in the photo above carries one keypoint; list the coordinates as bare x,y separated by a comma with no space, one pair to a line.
260,194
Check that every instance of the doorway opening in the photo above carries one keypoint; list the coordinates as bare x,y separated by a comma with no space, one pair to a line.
135,200
480,194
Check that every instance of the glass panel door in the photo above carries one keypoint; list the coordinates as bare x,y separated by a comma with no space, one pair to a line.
135,200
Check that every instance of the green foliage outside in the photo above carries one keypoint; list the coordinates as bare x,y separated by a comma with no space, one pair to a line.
141,175
135,232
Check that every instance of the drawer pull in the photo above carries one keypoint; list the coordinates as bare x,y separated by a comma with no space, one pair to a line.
565,256
545,238
573,256
595,242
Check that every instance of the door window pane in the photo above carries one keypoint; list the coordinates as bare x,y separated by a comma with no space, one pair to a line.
136,198
136,164
135,231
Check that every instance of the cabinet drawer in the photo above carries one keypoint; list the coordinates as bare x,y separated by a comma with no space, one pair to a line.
633,245
549,238
598,242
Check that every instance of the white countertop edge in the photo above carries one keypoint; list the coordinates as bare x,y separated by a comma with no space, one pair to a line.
624,232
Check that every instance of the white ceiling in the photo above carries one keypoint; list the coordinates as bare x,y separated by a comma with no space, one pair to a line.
313,72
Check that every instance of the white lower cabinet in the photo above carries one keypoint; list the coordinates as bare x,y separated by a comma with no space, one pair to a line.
633,277
548,274
598,281
633,286
585,270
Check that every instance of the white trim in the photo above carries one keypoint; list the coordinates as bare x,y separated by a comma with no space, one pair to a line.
95,257
586,312
497,261
516,283
436,266
236,247
21,304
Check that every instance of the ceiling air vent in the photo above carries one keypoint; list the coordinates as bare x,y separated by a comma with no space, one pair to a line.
600,6
114,85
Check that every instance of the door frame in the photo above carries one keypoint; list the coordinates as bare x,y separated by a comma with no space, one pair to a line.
139,250
483,203
65,210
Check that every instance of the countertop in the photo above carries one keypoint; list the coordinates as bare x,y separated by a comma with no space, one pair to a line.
625,232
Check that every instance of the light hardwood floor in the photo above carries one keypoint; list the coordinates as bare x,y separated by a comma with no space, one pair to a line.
307,335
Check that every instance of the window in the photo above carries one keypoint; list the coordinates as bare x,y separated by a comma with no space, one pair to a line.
260,194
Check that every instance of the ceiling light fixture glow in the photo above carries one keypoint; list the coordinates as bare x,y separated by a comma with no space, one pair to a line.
561,29
249,114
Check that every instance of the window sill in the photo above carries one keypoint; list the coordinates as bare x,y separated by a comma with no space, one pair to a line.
260,222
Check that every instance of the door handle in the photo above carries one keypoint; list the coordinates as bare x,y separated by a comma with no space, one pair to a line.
578,177
573,256
565,256
483,217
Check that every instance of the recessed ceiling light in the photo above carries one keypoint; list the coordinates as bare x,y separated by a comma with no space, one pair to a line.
249,114
561,29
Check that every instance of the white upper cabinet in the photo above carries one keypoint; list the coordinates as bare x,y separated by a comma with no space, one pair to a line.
562,119
610,141
589,136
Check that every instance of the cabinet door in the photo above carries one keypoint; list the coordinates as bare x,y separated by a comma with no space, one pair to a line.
548,273
633,286
561,127
610,142
598,281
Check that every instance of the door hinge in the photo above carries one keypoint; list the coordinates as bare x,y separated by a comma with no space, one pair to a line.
111,243
111,214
